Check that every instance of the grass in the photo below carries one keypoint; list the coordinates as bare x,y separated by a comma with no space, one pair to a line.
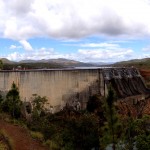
37,135
6,143
5,116
3,146
51,145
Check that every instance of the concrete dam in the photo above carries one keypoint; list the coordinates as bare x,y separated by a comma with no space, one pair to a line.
71,86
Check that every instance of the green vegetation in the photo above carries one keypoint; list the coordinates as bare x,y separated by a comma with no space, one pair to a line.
37,135
12,103
66,130
1,64
139,63
111,131
99,126
38,103
6,143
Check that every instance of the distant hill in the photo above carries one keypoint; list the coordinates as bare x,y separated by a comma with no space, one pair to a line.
63,63
60,61
46,64
67,63
100,63
6,61
139,63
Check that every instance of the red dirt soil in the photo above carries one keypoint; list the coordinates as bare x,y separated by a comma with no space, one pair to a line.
21,137
145,73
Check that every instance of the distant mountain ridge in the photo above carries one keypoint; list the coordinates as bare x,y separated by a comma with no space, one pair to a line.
6,61
58,60
100,63
139,63
44,63
62,62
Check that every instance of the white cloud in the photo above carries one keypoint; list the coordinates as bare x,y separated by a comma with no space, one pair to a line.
14,47
147,55
14,56
26,45
146,49
18,7
38,54
104,53
104,45
100,55
73,19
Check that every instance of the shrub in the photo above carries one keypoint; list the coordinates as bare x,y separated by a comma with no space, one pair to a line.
37,135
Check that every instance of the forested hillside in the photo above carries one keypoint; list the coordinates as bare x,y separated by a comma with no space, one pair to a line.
139,63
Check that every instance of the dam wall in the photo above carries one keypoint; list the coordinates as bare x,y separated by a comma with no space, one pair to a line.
61,87
72,87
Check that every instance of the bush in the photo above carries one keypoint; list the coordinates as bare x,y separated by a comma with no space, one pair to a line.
143,142
37,135
52,145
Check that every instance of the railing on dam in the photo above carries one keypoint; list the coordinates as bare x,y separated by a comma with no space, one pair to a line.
57,69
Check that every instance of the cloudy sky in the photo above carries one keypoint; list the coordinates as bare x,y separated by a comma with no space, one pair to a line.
83,30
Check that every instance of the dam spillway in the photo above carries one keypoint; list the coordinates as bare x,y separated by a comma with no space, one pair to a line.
125,81
65,86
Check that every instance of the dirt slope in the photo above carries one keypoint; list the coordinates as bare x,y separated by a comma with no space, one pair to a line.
21,138
145,73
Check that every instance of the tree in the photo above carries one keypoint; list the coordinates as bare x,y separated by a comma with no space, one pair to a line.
38,103
111,131
13,102
1,64
142,132
129,127
143,142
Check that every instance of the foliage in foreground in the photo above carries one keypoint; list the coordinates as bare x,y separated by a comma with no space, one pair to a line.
75,131
12,103
111,131
100,127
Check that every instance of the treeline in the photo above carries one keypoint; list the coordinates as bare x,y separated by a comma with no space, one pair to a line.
99,127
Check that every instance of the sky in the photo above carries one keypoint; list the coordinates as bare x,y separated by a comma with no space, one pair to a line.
82,30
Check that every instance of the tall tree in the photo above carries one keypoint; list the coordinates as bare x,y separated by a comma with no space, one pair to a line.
13,101
112,127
